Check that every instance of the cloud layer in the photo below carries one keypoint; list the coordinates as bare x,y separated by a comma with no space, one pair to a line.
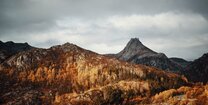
175,27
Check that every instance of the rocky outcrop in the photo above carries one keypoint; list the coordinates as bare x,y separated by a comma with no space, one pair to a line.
75,75
135,47
135,52
197,71
10,48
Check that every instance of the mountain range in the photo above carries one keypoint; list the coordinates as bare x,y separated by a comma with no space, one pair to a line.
68,74
137,53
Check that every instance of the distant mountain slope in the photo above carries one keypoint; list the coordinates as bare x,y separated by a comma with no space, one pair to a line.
10,48
180,61
197,71
75,75
136,52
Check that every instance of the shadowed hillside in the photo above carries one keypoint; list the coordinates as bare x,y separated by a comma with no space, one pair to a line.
10,48
197,71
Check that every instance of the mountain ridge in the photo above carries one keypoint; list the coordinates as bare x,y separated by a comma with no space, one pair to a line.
70,71
136,52
184,63
197,70
7,49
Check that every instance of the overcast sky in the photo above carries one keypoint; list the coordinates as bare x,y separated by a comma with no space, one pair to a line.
178,28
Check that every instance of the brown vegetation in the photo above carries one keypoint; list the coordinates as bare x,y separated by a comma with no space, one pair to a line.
69,74
185,95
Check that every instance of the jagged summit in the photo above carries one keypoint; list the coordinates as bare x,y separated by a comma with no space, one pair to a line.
136,52
135,47
135,41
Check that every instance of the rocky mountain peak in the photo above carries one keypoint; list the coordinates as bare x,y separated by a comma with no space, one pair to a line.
136,52
135,44
135,41
134,47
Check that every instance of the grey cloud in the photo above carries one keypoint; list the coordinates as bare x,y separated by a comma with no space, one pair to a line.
16,14
86,23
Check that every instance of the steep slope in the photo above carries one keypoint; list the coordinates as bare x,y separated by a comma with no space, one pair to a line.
135,47
197,71
76,75
10,48
136,52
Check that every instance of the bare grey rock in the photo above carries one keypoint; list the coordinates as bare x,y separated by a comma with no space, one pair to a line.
136,52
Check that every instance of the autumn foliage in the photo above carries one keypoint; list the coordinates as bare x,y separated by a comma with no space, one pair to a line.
69,74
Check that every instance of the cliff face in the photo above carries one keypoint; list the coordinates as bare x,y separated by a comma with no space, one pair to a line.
197,71
70,74
10,48
136,52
